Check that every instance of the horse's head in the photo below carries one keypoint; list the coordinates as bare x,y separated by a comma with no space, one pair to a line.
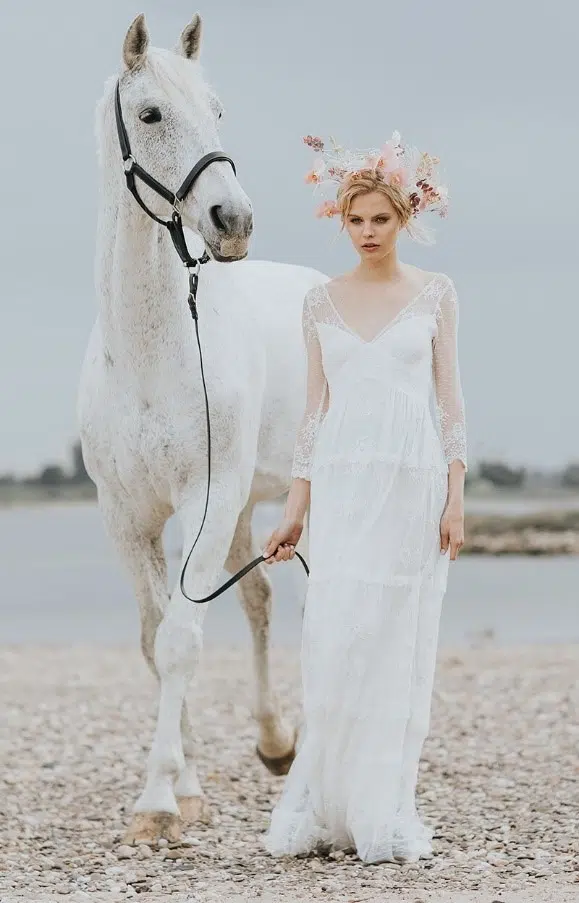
171,118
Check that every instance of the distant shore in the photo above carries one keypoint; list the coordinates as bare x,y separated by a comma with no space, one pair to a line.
538,533
19,495
495,524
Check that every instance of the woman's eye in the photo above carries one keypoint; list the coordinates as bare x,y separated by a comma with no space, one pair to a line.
151,115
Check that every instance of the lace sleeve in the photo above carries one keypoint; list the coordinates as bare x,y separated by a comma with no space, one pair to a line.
449,397
316,394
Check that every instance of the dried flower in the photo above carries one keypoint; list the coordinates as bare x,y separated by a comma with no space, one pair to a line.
315,143
328,208
414,202
398,165
399,177
388,160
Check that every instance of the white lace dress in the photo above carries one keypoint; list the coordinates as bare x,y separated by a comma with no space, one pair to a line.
384,417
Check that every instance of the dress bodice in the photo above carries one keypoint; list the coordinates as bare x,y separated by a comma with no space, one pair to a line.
414,352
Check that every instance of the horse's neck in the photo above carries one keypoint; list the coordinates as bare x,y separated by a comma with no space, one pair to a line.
141,283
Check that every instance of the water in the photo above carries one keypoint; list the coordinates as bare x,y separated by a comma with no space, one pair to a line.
62,583
516,503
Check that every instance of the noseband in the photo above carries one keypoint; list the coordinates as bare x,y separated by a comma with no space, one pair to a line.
174,226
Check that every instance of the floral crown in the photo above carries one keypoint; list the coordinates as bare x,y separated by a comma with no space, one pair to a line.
415,172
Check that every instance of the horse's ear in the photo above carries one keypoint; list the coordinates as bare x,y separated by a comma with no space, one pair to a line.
190,42
136,43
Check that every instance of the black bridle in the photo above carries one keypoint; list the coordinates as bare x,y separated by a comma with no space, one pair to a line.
134,170
175,228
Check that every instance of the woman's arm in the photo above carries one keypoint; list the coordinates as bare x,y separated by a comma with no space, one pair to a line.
316,406
450,405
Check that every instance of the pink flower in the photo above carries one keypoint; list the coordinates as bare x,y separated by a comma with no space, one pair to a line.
312,177
389,161
328,208
399,177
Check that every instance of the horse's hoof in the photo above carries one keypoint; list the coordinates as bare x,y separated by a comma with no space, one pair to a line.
194,809
279,765
150,827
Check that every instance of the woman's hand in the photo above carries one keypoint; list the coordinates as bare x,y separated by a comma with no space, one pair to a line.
452,528
281,544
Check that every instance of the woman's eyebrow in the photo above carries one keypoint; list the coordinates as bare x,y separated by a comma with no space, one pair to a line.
376,215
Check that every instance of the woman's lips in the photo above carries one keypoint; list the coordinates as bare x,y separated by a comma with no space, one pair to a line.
370,247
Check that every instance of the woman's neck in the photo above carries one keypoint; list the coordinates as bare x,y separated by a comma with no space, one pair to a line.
387,269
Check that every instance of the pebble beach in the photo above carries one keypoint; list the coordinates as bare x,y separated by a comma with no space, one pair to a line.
499,782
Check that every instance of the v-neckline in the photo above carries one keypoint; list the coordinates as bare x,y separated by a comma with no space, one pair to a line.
390,322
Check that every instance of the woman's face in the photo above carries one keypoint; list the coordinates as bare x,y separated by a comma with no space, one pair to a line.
373,225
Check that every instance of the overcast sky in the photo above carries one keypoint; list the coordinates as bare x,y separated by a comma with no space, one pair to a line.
490,87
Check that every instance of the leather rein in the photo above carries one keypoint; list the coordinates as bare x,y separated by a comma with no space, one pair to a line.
134,171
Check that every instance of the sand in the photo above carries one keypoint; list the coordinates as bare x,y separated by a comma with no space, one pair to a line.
499,782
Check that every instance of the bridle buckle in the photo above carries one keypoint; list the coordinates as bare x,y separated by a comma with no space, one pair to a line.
128,164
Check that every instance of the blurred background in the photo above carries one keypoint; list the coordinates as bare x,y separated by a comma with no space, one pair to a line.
487,87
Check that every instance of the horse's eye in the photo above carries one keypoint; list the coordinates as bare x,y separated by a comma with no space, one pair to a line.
150,115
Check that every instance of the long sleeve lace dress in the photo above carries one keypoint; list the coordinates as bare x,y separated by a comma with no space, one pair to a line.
384,418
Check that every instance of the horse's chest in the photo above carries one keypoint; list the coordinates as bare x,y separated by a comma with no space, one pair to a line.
145,427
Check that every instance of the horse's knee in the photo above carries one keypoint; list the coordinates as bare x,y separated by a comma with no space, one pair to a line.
178,643
256,598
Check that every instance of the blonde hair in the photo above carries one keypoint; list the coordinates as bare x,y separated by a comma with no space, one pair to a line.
364,182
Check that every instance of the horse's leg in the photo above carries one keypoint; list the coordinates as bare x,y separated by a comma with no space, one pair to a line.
276,744
153,597
192,804
142,552
178,645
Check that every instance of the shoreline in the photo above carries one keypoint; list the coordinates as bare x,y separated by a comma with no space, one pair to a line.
544,530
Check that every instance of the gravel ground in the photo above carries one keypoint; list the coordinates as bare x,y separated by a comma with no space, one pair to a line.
499,782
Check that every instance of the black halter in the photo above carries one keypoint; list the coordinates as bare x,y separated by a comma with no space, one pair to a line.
175,227
134,170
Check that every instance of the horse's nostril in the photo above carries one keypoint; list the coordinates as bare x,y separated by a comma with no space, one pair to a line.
218,218
230,221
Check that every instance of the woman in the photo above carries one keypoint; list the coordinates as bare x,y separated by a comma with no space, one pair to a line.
380,460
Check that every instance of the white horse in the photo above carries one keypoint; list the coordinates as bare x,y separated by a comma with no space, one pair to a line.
141,404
